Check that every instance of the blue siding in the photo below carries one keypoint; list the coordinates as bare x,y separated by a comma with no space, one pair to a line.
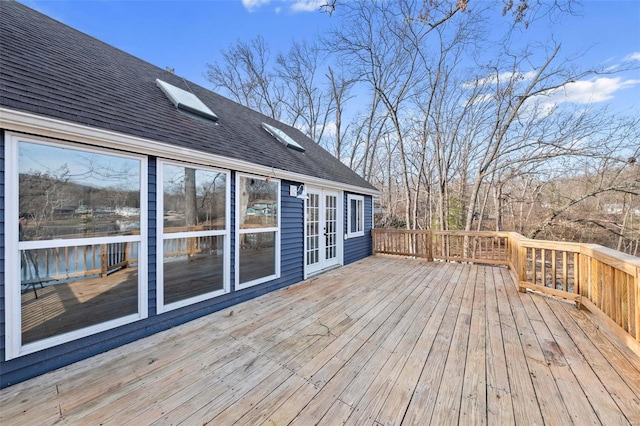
356,248
292,236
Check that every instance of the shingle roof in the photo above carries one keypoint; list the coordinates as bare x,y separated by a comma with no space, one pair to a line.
50,69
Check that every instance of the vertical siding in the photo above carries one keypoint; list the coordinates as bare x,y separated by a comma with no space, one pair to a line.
356,248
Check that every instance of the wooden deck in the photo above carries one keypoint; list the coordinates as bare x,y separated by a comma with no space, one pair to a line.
383,341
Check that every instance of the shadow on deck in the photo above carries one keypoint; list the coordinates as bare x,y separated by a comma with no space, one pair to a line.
383,341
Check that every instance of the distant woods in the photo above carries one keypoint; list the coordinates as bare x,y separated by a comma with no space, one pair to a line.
457,121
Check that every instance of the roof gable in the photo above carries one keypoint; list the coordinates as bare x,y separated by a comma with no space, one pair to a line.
50,69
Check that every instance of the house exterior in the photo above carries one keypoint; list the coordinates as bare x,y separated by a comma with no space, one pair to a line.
132,200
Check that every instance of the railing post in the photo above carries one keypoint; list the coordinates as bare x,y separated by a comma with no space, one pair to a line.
126,255
577,278
374,241
637,303
522,267
104,262
429,245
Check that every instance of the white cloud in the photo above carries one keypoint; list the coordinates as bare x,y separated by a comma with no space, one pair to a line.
252,5
635,56
502,77
582,92
294,6
307,5
591,91
330,129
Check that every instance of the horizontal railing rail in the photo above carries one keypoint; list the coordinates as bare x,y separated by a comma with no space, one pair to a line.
54,264
602,280
403,242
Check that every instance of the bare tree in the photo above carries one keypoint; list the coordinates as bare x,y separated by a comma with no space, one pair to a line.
307,105
246,75
381,42
340,87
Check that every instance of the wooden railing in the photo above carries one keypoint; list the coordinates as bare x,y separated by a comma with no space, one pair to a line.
403,242
63,263
604,281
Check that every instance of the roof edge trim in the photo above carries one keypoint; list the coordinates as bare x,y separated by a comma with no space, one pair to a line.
19,121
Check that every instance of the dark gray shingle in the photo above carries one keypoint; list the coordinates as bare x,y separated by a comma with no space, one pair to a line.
50,69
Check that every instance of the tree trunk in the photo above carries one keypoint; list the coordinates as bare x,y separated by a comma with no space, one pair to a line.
191,204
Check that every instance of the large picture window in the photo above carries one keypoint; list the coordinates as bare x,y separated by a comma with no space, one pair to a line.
194,254
355,216
258,230
75,234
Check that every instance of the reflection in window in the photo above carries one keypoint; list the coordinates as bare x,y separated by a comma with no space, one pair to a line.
192,267
194,235
79,223
68,193
71,288
313,228
258,233
257,256
258,205
331,223
194,199
355,215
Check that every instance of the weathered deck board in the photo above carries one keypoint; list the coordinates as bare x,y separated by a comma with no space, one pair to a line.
385,341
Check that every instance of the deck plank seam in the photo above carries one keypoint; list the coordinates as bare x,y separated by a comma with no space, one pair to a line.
458,281
613,393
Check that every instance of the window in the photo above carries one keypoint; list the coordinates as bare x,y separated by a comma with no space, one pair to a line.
193,258
281,136
258,230
355,216
76,229
186,101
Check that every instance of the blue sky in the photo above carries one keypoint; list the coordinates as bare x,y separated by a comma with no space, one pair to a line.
186,35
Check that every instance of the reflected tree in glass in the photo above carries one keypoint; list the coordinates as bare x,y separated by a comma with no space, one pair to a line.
79,247
195,207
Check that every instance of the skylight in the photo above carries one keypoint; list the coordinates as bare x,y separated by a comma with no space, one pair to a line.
282,137
186,101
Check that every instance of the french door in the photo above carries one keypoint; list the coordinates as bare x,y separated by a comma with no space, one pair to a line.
323,225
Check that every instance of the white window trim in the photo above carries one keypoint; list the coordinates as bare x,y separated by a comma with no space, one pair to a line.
161,237
359,233
238,232
13,320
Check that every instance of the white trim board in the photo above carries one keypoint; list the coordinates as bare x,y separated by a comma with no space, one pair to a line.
50,127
